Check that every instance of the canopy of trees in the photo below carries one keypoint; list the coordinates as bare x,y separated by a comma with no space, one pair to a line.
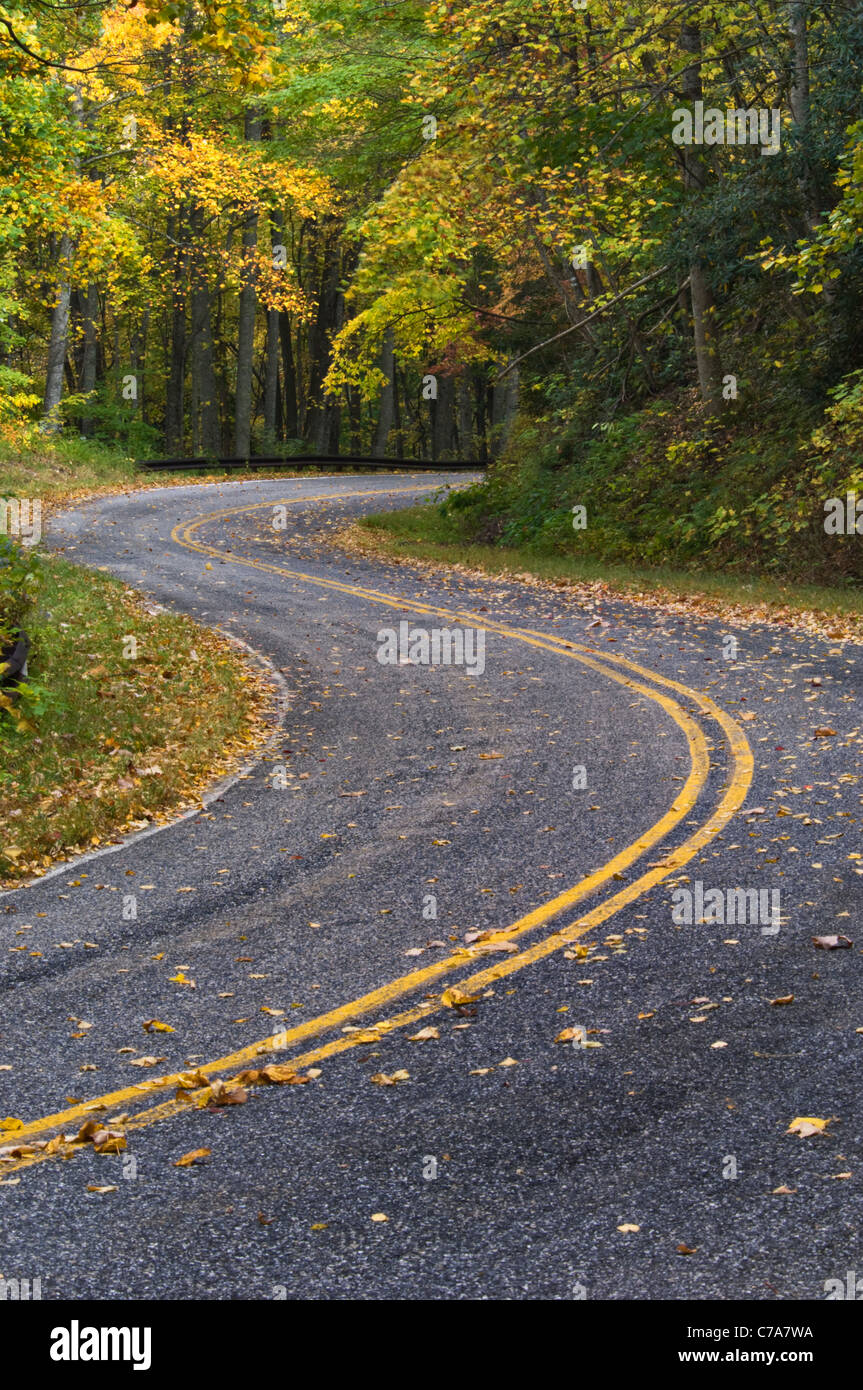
395,227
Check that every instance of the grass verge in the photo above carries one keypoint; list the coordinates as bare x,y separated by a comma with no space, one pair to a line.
423,533
118,741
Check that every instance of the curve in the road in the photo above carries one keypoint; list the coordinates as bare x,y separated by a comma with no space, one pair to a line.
733,796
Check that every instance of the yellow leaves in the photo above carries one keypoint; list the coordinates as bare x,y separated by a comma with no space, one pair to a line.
454,998
807,1125
181,979
225,1093
10,1124
424,1035
628,1228
379,1216
102,1187
153,1025
194,1156
146,1061
275,1075
104,1141
380,1078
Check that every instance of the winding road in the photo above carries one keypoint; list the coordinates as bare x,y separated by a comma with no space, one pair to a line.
546,808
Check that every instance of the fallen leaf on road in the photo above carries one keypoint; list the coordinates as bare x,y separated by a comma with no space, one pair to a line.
686,1249
95,1187
146,1061
806,1125
379,1216
454,998
508,1062
275,1074
153,1025
188,1159
783,1191
424,1035
380,1078
224,1093
109,1141
832,943
628,1227
783,999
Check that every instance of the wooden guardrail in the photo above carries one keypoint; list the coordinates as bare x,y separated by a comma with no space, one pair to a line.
331,461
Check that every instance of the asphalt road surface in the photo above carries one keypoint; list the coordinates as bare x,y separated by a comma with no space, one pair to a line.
604,756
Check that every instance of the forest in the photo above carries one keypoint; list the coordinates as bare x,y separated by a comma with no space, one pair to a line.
610,249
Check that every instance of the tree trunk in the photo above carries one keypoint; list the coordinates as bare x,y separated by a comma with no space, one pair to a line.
465,419
175,386
708,360
58,341
386,408
246,323
290,378
89,354
206,414
355,419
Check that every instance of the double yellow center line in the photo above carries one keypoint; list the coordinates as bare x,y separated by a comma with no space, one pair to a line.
613,667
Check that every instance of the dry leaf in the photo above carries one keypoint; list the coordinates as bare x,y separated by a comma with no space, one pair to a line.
153,1025
188,1159
146,1061
379,1216
225,1093
508,1062
832,943
805,1125
424,1035
109,1141
628,1227
95,1187
783,999
455,997
686,1249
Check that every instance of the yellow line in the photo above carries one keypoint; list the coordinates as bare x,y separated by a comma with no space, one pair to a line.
731,801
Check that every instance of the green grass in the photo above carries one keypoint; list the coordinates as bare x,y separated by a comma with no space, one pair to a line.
119,741
424,533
